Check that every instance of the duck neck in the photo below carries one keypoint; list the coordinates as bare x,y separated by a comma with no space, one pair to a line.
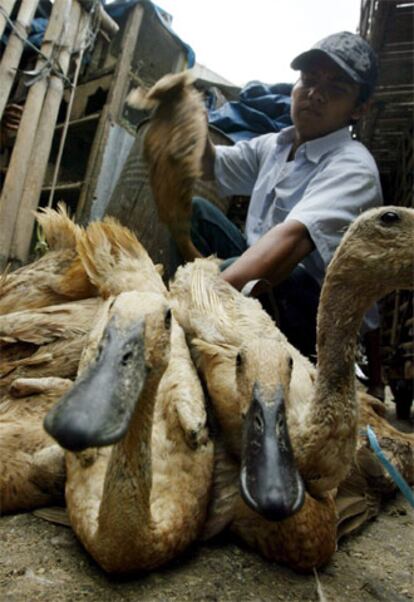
128,482
339,319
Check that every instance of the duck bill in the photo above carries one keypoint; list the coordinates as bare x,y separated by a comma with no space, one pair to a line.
269,480
97,410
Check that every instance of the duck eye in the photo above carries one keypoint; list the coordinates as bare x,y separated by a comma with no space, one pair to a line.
390,217
290,363
239,360
126,357
258,423
167,318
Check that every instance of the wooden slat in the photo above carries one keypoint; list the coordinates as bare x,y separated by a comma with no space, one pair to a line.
111,109
44,136
14,50
80,122
65,187
7,6
20,159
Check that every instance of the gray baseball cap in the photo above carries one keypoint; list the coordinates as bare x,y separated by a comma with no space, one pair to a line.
350,52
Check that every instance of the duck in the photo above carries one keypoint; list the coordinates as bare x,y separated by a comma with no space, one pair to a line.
360,496
246,364
54,278
40,352
32,468
374,258
173,147
320,427
44,342
47,342
139,461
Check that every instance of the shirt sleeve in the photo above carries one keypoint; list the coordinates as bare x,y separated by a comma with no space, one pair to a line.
337,194
236,167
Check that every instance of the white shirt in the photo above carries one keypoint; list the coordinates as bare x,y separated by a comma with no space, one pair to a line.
328,184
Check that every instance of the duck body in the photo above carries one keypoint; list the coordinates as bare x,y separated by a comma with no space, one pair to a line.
137,496
32,469
174,146
56,277
321,406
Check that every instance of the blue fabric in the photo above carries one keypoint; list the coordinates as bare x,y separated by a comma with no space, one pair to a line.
116,11
213,233
37,31
261,108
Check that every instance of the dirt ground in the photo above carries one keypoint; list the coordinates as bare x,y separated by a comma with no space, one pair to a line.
40,561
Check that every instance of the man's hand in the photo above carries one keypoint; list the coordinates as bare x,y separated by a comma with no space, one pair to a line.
11,118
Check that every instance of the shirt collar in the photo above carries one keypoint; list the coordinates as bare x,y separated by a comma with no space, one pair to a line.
314,149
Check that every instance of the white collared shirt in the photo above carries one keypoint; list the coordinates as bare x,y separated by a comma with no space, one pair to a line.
328,184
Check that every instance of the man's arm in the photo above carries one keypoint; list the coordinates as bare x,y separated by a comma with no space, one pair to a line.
273,257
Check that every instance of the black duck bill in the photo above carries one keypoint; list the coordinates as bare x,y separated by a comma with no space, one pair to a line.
269,480
97,410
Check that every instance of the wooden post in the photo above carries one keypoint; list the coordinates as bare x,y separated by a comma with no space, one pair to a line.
44,137
7,7
111,110
20,159
14,50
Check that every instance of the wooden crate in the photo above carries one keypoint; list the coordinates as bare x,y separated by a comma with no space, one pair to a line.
100,133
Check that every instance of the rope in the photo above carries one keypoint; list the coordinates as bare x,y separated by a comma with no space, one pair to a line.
390,468
51,65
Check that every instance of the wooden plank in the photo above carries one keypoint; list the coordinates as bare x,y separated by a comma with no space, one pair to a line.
79,122
7,7
43,140
14,50
64,187
119,86
110,112
20,159
85,91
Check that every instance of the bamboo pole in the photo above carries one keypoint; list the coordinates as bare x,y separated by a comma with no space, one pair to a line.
106,23
75,38
20,159
14,50
7,7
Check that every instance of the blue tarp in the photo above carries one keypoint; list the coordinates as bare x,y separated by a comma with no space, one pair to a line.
261,108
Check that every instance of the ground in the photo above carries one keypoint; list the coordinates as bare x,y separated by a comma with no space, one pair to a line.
40,561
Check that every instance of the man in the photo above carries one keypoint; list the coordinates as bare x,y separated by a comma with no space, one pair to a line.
306,185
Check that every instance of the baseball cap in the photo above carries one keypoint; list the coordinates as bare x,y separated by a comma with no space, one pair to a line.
350,52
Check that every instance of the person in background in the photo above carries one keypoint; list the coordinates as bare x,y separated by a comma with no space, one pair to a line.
306,185
10,124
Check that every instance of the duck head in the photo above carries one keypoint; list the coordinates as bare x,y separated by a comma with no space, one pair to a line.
249,390
269,480
98,409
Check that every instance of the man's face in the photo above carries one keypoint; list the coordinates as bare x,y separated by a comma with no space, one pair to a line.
324,99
